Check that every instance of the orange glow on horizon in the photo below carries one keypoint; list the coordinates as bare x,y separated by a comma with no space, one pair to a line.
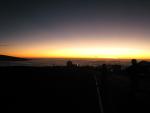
127,47
114,53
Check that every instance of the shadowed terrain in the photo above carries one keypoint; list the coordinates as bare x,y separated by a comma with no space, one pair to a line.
11,58
67,89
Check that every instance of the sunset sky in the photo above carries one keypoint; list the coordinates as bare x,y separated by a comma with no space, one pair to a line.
75,28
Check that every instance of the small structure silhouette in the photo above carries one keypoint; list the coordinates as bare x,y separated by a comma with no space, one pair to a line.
134,62
70,64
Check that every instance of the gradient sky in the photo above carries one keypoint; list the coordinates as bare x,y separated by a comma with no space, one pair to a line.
75,28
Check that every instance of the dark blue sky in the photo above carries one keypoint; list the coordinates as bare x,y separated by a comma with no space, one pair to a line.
24,15
23,21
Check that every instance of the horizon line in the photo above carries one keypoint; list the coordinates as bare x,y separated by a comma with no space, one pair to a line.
103,58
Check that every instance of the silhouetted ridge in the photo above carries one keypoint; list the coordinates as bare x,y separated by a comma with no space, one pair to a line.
10,58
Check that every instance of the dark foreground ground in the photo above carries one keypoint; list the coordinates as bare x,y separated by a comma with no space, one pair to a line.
68,90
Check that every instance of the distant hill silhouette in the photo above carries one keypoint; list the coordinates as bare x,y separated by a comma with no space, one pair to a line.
11,58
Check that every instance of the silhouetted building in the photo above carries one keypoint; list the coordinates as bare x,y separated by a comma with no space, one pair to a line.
144,63
138,68
144,67
134,62
70,64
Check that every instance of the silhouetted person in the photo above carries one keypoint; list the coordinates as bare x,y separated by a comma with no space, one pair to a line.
104,69
133,72
105,73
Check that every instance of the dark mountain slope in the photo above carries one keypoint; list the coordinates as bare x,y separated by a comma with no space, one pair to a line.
10,58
